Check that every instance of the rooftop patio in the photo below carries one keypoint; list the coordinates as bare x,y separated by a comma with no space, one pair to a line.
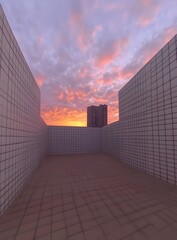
88,196
91,197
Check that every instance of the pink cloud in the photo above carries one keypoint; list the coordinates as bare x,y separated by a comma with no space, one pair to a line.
109,78
40,40
86,35
60,96
155,46
111,6
169,33
98,28
100,100
80,30
146,52
83,73
82,39
128,71
72,95
148,10
76,94
40,81
110,51
103,81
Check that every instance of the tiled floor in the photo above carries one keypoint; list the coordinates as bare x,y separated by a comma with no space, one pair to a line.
91,197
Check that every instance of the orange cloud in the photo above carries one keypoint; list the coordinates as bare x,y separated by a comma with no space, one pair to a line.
83,73
113,115
78,27
60,96
169,33
105,60
63,116
128,72
72,95
123,73
110,51
85,36
165,38
149,12
144,21
101,100
104,81
40,81
81,95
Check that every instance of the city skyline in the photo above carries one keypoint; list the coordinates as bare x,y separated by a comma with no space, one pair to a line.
83,53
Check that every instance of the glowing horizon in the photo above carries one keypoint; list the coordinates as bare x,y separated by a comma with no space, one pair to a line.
68,117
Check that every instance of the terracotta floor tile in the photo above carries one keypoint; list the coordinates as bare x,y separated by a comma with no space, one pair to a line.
42,231
26,235
89,224
74,229
27,227
45,213
57,209
5,235
44,221
60,234
91,196
58,225
58,217
30,218
79,236
46,237
94,234
70,213
72,221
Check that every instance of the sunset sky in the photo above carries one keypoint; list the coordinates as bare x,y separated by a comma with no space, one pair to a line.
82,52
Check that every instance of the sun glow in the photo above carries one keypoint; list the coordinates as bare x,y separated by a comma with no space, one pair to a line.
64,117
71,117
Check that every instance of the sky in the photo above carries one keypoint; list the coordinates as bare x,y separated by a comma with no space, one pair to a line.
82,52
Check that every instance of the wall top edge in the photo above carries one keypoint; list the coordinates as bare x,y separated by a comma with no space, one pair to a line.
113,123
122,89
53,126
12,33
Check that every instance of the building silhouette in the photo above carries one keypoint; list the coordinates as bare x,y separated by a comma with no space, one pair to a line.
97,116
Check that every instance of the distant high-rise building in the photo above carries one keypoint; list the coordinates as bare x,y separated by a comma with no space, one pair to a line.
97,116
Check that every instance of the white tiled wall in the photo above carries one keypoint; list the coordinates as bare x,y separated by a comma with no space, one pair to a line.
23,133
67,140
146,135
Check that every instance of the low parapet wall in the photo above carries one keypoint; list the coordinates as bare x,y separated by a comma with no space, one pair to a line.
67,140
